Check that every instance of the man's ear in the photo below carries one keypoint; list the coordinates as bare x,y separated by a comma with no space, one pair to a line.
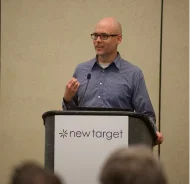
119,39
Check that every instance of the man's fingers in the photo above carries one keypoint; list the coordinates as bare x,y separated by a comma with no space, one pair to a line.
160,138
71,80
71,83
73,87
76,86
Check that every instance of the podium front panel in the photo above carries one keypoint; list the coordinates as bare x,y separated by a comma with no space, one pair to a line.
78,142
82,143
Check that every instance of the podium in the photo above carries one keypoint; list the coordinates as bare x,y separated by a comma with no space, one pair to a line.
77,142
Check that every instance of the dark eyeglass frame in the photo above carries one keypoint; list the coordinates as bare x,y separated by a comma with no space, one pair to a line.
95,36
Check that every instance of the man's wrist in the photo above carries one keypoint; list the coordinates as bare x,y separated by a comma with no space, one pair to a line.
66,101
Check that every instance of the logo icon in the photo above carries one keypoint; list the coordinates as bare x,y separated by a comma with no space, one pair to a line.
63,133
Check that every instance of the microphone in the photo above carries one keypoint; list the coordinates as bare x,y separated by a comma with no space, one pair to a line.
88,78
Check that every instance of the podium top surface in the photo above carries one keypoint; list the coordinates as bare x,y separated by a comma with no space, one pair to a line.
97,111
101,112
94,111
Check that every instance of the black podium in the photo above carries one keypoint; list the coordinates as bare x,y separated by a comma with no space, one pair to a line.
78,141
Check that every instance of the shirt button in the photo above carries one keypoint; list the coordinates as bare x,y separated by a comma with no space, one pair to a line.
98,96
100,83
102,70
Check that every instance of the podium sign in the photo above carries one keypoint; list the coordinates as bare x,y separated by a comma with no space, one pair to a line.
82,143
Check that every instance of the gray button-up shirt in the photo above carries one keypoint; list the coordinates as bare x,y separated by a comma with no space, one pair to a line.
120,85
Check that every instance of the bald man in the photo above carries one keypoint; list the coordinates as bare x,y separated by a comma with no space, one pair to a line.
107,80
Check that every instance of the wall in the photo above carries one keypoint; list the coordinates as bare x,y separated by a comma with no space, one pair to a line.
175,90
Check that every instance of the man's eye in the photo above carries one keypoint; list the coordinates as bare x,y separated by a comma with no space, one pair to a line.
104,36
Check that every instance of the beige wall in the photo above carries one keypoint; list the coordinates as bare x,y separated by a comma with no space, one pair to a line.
175,90
43,41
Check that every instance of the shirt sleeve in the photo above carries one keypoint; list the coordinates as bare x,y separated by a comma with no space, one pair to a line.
140,99
68,105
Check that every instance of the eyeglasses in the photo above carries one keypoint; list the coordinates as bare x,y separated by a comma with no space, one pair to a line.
102,36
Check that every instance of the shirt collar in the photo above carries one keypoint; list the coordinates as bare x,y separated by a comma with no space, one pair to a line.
117,61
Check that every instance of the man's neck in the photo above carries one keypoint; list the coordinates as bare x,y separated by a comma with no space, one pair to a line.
107,58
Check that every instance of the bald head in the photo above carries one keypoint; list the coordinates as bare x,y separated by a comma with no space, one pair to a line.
110,24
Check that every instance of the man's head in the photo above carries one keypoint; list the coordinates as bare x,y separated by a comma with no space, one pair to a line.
32,173
106,37
133,165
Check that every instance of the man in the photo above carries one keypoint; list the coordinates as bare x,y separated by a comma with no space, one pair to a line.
32,173
132,165
108,80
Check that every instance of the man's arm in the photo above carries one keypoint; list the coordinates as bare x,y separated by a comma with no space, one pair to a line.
142,103
141,100
70,95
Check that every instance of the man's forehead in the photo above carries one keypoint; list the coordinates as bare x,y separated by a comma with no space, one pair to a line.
103,29
101,32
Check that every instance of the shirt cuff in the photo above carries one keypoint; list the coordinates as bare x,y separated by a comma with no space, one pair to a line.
153,122
68,105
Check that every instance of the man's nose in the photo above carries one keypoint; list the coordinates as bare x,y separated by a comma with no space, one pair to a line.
98,39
